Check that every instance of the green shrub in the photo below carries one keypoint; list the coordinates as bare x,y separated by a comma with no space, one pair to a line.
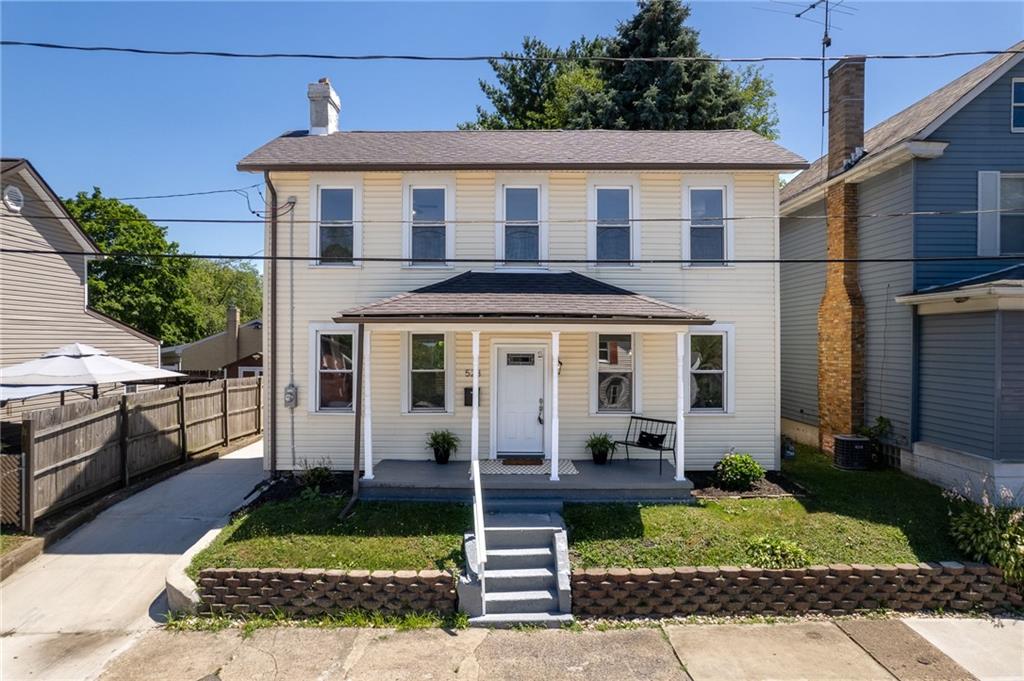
313,477
989,532
738,472
775,552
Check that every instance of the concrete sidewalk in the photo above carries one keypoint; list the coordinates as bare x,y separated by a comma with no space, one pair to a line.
89,596
849,650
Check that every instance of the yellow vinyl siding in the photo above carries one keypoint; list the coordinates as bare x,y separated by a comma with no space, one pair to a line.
744,295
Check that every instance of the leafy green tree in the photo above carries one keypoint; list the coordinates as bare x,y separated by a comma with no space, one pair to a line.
219,283
558,92
150,294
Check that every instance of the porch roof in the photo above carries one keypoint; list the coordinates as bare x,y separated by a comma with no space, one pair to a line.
522,297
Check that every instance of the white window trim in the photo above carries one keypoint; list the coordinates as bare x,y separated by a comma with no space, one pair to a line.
728,331
592,357
1014,105
521,181
630,182
317,329
999,205
428,181
724,183
449,373
244,371
353,181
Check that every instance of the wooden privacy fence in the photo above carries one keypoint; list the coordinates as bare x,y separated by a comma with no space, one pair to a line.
80,449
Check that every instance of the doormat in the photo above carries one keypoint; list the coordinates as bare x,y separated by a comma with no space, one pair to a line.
522,460
496,467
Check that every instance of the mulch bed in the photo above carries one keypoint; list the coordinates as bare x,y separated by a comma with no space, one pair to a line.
773,485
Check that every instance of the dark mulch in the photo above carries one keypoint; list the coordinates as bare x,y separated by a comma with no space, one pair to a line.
774,484
289,486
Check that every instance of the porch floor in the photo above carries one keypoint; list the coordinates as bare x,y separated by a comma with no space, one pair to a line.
620,480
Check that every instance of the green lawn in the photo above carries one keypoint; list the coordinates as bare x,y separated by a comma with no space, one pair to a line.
9,542
863,517
306,534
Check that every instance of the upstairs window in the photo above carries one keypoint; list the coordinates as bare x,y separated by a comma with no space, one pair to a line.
336,236
1017,105
1011,214
428,229
613,231
522,225
707,225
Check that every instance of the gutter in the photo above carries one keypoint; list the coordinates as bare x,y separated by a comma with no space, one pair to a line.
962,295
272,356
866,169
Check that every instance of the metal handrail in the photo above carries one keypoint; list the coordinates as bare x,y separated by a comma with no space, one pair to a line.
478,529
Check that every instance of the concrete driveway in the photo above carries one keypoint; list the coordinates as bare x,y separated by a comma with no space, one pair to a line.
88,597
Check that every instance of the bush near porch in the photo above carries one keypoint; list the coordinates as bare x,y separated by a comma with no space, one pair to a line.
305,533
849,517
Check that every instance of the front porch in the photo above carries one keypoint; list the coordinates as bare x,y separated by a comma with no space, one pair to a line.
619,480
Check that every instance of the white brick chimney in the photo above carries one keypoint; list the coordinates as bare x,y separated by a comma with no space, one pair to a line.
324,107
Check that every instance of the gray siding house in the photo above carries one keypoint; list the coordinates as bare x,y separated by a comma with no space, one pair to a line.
937,346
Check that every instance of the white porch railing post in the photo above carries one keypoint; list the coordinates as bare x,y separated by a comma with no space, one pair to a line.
681,375
554,406
367,409
474,438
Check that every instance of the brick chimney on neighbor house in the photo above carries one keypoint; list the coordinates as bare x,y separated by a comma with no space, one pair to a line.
231,336
841,312
324,108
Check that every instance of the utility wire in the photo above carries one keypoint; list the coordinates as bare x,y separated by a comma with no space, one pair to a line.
175,196
513,261
475,58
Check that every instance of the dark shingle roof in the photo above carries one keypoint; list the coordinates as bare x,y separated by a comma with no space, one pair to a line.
522,149
523,296
906,124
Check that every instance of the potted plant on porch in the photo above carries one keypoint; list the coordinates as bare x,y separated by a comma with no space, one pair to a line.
601,446
444,443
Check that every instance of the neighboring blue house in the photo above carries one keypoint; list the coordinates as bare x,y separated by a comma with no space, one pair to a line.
936,347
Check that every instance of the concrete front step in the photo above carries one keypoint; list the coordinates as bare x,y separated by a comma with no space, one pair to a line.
519,602
512,559
552,620
522,579
524,505
519,537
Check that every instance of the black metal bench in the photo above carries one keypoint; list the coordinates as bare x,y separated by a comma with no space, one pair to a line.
656,435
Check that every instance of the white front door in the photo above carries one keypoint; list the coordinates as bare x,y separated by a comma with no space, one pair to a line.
520,400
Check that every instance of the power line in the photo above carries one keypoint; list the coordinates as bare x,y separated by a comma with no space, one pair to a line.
185,194
513,261
477,58
568,221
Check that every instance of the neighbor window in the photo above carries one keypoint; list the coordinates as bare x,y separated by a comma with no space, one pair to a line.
614,373
613,224
1011,215
707,372
428,228
337,227
1017,105
334,377
427,381
707,225
522,225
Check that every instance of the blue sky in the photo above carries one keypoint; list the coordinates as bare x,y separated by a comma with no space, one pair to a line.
139,125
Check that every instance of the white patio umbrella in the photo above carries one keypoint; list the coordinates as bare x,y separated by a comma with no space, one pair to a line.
79,364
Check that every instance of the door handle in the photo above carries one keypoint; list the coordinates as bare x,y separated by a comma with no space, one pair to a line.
540,411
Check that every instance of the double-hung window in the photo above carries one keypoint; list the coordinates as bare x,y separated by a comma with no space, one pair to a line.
1011,213
613,232
522,225
708,372
334,378
336,234
428,226
615,371
707,225
427,372
1017,105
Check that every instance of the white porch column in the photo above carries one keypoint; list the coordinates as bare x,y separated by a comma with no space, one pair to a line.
681,376
474,437
554,406
367,409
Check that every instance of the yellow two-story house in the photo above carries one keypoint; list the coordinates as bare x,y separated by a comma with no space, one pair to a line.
523,290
